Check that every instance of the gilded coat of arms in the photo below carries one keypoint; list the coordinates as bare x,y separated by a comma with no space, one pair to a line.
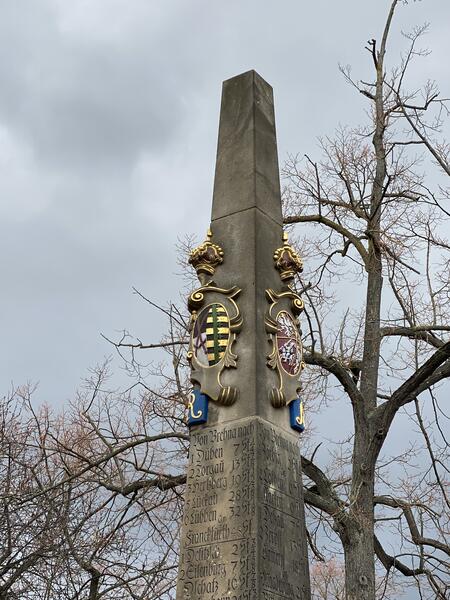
215,322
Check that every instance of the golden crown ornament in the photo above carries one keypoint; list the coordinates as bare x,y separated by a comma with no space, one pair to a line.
206,258
287,261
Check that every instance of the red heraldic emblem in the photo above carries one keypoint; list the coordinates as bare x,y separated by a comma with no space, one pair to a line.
288,343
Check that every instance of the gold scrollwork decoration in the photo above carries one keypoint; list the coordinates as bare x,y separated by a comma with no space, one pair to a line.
300,420
215,322
194,415
195,300
286,356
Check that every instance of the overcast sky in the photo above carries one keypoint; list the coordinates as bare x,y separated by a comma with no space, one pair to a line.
108,127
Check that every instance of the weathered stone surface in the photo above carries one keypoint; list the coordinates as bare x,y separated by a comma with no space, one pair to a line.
243,536
247,162
247,224
242,532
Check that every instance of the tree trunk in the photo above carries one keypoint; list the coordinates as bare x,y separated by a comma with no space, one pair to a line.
359,571
358,534
94,587
358,540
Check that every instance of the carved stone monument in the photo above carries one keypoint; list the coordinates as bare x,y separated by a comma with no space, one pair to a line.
243,534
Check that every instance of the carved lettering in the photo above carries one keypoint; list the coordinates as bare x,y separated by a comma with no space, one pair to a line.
242,515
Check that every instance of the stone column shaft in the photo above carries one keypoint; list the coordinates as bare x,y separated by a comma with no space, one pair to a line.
243,535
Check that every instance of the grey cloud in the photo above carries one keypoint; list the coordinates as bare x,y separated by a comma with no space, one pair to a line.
84,102
108,125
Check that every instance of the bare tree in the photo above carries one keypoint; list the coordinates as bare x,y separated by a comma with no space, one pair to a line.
91,498
375,246
29,531
327,580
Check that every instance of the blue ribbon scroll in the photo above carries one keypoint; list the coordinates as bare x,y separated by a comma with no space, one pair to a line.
297,415
198,408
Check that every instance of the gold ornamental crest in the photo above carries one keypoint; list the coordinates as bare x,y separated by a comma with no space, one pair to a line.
287,261
206,258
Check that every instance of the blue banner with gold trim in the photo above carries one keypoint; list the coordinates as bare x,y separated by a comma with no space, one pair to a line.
198,408
297,415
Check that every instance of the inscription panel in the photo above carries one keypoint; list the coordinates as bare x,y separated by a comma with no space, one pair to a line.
283,568
242,526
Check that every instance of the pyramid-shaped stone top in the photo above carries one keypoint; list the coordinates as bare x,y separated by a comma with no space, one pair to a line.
247,173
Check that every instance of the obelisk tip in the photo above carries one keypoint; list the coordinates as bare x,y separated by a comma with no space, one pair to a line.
247,174
250,74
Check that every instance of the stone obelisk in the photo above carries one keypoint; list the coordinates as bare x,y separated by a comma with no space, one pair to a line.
243,534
